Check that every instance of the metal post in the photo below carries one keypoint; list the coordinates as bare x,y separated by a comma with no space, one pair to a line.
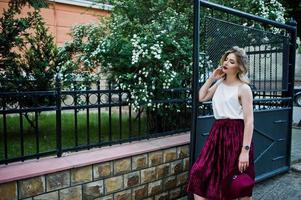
58,117
291,79
196,49
195,78
110,112
99,111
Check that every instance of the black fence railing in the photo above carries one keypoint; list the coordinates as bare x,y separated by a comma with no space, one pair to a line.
40,123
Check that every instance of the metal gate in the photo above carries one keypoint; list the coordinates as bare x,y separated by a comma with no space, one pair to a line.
270,47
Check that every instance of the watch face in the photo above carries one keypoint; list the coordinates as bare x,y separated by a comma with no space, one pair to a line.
247,147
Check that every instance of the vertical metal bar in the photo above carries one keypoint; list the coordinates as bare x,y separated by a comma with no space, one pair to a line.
196,53
155,119
88,119
254,67
99,111
291,79
139,122
265,67
147,120
271,76
185,110
110,110
206,53
75,115
5,130
276,66
58,118
120,115
21,135
130,118
265,72
285,67
259,70
173,107
37,133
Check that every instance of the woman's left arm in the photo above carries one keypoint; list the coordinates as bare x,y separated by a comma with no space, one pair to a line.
247,107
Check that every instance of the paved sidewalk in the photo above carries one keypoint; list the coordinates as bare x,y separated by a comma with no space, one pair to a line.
296,145
286,186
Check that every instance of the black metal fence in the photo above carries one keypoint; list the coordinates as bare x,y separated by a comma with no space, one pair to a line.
39,123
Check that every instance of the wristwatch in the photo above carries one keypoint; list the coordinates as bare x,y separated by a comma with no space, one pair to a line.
246,147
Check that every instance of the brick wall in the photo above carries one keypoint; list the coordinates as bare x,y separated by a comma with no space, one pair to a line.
154,175
60,17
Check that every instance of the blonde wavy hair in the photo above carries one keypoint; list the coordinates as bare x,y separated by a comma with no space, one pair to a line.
242,60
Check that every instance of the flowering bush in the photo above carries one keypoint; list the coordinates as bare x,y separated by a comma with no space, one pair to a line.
75,57
270,9
148,49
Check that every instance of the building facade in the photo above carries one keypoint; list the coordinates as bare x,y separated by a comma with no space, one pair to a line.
62,15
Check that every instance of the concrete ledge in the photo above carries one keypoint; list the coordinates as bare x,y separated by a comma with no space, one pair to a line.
28,169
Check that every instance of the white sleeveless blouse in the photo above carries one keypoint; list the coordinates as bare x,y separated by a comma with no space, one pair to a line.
225,102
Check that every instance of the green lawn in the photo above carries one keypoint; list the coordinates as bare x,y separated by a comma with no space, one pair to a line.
47,134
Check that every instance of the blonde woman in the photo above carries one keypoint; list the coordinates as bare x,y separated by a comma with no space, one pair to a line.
229,144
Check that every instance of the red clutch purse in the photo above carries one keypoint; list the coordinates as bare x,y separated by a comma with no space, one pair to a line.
237,185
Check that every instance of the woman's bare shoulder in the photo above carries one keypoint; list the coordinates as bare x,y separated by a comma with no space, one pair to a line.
245,88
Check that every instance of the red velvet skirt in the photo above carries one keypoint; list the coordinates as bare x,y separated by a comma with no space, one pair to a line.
218,158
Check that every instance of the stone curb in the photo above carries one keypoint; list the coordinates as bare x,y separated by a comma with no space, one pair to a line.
296,161
296,127
296,167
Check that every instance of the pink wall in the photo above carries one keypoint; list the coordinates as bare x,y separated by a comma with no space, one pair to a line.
61,17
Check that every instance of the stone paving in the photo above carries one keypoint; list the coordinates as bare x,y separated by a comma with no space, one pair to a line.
296,145
286,186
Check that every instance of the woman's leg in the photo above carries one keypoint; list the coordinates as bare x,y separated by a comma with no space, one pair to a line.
197,197
245,198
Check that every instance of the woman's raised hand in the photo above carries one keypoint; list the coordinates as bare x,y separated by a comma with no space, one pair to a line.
217,73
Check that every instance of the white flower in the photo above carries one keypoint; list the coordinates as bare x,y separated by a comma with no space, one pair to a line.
298,41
